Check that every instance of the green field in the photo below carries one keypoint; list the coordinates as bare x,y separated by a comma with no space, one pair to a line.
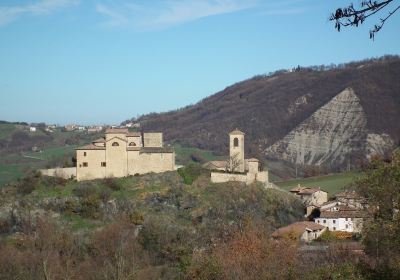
183,154
332,183
15,164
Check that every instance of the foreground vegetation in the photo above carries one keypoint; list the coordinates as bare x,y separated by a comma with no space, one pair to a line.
181,226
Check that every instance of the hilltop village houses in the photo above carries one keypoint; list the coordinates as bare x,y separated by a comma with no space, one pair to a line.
119,154
237,168
346,213
312,197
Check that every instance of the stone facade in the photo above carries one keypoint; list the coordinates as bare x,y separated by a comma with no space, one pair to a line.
66,173
122,153
237,169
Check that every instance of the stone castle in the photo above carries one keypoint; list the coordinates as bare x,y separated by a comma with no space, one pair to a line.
119,154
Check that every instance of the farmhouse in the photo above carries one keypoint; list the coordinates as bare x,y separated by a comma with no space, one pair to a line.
237,168
341,217
351,198
303,231
312,197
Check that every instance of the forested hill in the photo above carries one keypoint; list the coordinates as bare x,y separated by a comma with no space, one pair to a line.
268,107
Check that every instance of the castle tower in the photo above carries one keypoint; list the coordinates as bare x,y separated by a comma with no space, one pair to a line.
236,150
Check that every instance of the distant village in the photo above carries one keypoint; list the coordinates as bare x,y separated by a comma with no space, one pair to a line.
50,128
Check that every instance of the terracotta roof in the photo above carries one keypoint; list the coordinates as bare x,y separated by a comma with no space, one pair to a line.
91,147
134,134
349,195
156,150
116,137
308,191
117,130
236,132
100,140
296,189
297,229
216,163
343,214
304,190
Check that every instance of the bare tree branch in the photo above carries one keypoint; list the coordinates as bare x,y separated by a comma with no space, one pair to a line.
350,16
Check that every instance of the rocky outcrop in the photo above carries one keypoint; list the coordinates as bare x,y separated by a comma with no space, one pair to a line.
333,134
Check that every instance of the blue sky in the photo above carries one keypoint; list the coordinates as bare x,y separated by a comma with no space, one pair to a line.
104,61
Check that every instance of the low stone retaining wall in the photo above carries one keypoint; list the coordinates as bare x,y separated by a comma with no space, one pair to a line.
248,178
66,173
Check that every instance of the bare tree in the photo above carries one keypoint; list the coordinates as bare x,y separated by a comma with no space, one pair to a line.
233,163
351,16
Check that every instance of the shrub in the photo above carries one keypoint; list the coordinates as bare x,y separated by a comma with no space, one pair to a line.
105,195
112,184
90,207
190,173
27,185
85,191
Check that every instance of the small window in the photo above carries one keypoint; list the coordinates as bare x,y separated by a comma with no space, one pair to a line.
347,226
84,154
235,142
132,144
115,144
324,221
334,221
85,164
103,164
334,228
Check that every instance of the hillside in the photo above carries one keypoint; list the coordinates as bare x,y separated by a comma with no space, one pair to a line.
53,149
269,108
165,220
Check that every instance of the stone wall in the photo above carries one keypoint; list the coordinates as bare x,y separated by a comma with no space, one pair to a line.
117,158
66,173
217,177
152,139
93,158
262,176
248,178
141,163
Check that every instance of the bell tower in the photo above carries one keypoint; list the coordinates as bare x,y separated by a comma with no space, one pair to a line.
236,151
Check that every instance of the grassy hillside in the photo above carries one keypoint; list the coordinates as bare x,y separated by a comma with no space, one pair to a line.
332,183
83,206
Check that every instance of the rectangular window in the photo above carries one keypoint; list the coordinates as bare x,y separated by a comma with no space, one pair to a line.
324,221
103,164
334,221
334,228
347,226
85,164
84,154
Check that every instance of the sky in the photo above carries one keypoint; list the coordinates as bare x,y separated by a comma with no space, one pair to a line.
105,61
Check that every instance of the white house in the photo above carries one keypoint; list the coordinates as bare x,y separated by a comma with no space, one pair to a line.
32,129
340,217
